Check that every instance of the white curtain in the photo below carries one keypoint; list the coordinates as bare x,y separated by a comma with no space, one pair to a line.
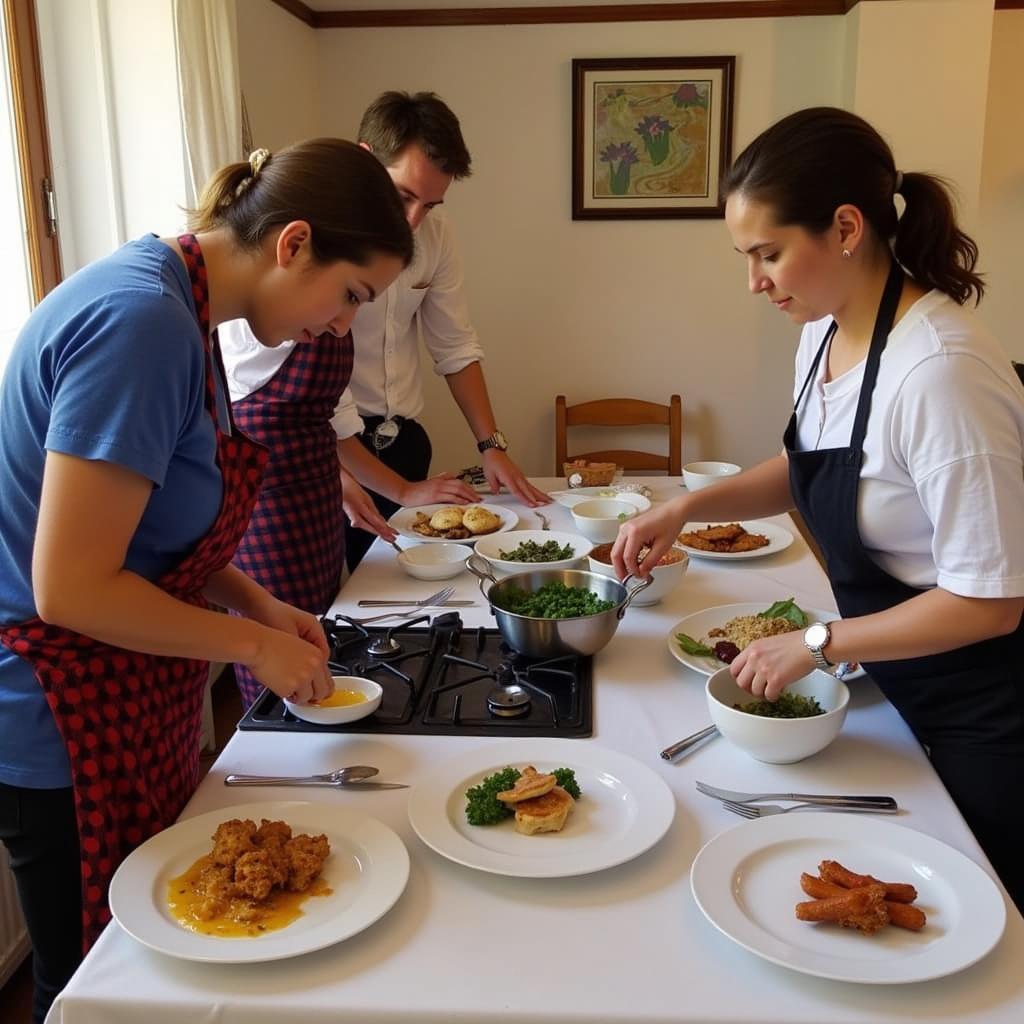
205,38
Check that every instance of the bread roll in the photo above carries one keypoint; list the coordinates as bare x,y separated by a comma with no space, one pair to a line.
446,518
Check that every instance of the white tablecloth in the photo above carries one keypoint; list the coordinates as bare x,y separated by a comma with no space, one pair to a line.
623,945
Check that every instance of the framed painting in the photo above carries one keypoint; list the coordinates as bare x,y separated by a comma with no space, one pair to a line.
651,136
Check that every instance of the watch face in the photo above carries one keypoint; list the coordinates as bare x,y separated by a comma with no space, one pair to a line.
499,437
816,635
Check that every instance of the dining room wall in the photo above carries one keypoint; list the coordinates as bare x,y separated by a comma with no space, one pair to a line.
642,308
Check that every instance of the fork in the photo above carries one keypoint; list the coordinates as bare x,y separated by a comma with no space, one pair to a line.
765,810
414,608
544,525
879,802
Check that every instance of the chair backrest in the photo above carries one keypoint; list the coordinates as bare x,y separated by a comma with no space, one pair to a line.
1019,367
622,412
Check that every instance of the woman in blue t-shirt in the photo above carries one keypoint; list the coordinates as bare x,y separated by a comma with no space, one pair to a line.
125,491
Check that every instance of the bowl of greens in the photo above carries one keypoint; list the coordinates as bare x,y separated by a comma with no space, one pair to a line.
805,719
523,550
549,613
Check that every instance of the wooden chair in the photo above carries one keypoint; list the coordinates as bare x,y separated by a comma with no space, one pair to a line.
622,412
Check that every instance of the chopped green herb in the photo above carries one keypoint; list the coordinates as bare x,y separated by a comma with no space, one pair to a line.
554,600
788,705
531,551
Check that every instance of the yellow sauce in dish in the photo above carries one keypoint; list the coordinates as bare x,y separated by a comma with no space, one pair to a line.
240,918
340,699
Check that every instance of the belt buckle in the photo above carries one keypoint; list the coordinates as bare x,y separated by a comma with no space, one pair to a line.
384,434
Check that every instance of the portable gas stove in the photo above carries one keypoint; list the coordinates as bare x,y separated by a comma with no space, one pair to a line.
442,678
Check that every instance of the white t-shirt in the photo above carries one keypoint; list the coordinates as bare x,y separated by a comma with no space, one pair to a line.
386,372
941,498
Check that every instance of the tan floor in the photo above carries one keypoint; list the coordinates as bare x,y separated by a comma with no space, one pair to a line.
16,995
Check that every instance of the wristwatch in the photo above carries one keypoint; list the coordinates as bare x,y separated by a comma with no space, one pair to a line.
816,637
496,440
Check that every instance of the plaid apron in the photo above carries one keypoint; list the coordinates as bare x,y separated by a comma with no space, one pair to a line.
131,721
295,544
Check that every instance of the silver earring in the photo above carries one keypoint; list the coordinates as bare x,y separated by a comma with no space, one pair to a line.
847,254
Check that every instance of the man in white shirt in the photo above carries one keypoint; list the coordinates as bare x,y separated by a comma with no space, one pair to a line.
418,139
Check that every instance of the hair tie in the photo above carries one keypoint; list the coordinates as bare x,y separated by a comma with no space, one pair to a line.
895,189
257,158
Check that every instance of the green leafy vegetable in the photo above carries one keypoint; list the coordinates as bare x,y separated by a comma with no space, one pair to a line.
554,601
483,806
695,647
567,780
788,705
787,609
531,551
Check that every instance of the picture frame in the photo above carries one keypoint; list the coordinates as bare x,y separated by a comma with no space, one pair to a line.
651,136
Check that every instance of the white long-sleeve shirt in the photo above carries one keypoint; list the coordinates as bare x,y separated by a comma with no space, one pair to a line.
386,380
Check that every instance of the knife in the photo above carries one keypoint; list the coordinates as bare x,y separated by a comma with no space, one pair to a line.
410,604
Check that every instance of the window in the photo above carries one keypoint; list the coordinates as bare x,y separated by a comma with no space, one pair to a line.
29,257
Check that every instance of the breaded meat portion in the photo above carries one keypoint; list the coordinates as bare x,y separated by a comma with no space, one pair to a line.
530,784
232,839
254,875
306,856
273,833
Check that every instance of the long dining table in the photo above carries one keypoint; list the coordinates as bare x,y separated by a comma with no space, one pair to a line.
626,944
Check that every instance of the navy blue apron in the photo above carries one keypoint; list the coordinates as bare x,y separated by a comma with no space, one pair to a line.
967,705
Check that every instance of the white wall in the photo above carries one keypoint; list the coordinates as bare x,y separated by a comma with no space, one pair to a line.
278,65
586,308
1001,224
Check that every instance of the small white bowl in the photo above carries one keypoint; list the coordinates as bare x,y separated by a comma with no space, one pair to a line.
350,712
600,518
778,740
435,561
697,475
492,546
666,577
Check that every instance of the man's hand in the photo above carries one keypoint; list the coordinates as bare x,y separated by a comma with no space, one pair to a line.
361,511
500,469
443,489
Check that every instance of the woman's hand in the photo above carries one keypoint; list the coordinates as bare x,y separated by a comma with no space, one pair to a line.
361,510
292,656
445,489
766,667
656,529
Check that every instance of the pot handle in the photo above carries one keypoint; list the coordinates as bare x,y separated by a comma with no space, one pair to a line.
630,594
481,569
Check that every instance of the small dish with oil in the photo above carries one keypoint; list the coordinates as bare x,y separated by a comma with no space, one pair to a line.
353,698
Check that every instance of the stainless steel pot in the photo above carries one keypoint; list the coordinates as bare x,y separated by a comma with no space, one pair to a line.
554,638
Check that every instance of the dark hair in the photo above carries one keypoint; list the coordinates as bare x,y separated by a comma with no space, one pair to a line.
395,120
813,161
349,200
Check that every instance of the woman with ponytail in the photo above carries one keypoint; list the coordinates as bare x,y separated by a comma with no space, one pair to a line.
904,453
125,490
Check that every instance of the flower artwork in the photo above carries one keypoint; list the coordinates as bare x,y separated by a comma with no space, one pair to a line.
651,136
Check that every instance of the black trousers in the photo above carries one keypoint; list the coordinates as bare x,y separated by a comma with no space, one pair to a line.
409,456
39,829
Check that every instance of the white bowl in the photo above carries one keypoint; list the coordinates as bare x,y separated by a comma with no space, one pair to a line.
492,546
349,713
435,561
778,740
599,519
703,474
666,577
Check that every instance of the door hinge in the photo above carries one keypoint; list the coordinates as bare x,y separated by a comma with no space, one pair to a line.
50,207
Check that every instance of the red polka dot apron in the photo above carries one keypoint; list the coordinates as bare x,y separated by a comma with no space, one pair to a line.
295,543
131,721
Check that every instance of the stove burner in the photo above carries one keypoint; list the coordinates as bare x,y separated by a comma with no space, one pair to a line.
508,701
385,646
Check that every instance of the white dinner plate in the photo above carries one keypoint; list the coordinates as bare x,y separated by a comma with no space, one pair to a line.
575,495
779,538
747,882
623,810
698,624
367,871
403,519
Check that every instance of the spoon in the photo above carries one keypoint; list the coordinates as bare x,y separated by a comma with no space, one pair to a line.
340,777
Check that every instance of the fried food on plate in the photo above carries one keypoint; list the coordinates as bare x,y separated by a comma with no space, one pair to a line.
480,520
863,909
728,538
446,519
454,523
902,915
530,784
545,813
833,871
